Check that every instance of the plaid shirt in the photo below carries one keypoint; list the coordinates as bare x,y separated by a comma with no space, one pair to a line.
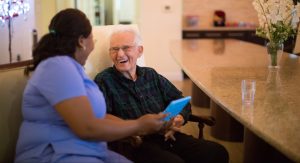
128,99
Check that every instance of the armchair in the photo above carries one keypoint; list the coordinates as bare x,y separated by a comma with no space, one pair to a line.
12,84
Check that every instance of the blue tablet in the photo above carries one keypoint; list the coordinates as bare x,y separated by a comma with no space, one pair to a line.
175,107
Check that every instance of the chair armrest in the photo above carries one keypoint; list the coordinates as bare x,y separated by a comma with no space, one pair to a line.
208,120
202,120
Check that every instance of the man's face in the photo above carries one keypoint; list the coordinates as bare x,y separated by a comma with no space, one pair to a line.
124,52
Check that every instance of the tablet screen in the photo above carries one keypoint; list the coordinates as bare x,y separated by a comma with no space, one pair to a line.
175,107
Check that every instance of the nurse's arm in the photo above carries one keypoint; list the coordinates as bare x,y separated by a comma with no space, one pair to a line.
78,114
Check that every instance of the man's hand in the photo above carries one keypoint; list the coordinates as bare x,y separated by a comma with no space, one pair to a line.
175,127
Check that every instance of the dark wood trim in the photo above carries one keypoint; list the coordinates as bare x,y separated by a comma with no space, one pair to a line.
248,35
15,65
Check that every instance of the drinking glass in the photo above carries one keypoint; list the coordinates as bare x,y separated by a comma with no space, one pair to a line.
248,91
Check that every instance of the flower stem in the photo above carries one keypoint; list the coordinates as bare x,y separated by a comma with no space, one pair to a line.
272,50
273,59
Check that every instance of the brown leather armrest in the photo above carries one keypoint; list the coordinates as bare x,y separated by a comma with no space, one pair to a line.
208,120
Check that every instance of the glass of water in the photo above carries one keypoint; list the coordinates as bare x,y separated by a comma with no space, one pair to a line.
248,91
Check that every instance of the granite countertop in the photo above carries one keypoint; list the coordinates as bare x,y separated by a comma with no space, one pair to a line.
217,66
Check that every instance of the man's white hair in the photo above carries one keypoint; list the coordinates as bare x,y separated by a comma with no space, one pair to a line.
126,28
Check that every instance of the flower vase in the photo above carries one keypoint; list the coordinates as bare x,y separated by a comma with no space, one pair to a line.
275,51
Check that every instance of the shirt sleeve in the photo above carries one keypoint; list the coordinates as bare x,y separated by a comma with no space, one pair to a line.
170,92
59,79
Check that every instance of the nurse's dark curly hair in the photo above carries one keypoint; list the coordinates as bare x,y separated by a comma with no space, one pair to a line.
65,29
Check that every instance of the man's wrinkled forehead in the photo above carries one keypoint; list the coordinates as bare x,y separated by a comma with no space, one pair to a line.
122,39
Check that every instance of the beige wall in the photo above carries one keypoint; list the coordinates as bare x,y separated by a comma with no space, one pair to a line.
44,11
127,11
158,27
60,5
236,10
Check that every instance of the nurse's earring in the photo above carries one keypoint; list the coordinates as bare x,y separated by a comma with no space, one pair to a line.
83,48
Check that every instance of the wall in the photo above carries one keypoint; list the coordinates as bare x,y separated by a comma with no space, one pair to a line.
158,27
44,11
235,10
127,11
60,5
21,37
88,7
109,12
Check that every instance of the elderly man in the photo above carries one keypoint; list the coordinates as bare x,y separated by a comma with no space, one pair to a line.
132,91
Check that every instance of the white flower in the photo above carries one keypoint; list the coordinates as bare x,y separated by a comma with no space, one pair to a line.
278,19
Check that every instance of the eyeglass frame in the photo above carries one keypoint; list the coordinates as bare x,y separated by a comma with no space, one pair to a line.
124,48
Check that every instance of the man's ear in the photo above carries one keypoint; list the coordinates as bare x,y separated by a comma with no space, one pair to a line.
140,50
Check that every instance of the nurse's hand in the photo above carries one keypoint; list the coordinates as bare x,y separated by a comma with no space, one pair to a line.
151,123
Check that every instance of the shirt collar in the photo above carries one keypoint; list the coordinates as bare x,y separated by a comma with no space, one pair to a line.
139,71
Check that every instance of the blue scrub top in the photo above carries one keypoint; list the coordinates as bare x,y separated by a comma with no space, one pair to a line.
54,80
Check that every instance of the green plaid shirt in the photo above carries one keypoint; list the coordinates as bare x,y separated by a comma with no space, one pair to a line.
128,99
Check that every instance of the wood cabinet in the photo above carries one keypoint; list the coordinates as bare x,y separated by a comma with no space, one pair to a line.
245,34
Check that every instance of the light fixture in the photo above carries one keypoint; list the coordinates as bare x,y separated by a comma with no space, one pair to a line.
12,8
8,10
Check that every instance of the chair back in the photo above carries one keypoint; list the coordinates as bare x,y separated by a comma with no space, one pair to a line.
99,58
12,84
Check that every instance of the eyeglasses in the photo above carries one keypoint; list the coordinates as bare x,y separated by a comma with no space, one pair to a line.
125,49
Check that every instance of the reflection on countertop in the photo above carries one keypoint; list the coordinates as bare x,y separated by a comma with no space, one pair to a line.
275,116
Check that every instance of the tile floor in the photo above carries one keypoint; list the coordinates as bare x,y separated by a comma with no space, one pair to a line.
235,149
